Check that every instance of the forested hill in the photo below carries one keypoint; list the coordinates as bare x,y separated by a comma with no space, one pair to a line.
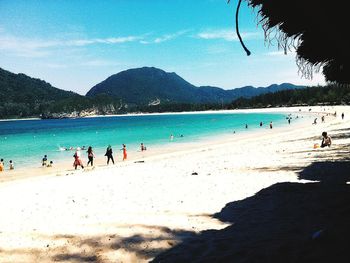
149,86
327,95
19,88
23,96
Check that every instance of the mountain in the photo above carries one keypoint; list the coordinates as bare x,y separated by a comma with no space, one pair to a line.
20,88
149,85
23,96
145,85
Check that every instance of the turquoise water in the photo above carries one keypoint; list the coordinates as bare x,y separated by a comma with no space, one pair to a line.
25,142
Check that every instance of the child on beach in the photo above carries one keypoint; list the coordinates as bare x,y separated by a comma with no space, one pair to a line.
11,165
44,161
91,156
109,154
50,164
1,165
143,148
125,155
77,160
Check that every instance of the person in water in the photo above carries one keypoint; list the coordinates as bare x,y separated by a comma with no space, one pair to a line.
125,155
12,166
143,148
44,161
2,165
261,124
246,126
326,140
77,159
109,154
91,156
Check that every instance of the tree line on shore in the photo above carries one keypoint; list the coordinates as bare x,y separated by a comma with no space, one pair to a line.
62,106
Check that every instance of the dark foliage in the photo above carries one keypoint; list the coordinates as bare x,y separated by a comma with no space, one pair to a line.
331,94
319,30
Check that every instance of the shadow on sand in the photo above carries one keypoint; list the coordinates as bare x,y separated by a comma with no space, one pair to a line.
287,222
76,248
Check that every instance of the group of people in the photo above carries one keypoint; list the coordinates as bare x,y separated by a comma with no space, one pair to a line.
2,165
44,162
91,155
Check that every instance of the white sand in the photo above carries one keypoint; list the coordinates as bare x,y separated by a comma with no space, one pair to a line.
130,211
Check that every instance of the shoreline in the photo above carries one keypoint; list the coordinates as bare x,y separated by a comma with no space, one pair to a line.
254,110
65,167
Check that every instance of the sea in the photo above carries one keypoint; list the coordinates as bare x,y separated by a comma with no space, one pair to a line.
25,142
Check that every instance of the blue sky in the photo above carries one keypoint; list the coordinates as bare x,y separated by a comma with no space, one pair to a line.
75,44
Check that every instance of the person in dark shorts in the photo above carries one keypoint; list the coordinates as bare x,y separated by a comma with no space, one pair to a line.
91,156
109,154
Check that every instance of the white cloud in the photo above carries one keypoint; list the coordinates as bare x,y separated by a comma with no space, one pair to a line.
227,35
164,38
40,48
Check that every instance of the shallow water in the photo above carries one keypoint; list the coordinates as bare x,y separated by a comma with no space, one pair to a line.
25,142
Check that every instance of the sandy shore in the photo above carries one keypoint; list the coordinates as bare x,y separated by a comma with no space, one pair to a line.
130,212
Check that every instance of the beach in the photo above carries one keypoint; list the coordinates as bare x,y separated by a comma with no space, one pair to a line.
134,210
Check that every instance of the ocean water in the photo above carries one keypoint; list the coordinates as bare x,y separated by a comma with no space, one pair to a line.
27,141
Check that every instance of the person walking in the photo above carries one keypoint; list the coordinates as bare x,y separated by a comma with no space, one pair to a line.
91,156
2,168
125,155
77,159
109,154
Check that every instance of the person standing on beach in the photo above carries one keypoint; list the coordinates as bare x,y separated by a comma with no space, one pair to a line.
143,148
125,155
109,154
342,116
11,165
270,124
2,165
91,156
77,160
